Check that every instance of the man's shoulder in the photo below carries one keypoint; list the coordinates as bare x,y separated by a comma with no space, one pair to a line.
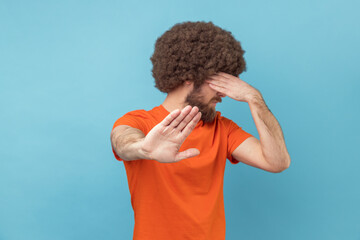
138,113
142,113
138,118
220,117
223,120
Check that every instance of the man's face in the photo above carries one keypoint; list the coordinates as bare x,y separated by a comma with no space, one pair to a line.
205,98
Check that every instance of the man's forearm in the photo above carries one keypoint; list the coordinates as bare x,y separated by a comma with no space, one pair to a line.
128,144
271,136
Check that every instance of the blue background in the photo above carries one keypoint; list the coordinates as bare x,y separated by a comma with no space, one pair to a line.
69,69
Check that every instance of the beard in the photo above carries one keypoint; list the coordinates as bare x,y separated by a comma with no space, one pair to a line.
208,113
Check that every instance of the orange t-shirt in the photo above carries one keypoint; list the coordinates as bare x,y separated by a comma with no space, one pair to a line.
181,200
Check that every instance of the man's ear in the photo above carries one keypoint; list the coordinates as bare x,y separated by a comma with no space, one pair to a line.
188,85
187,82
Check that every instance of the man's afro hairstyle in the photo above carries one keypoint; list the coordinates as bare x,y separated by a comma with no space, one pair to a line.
193,51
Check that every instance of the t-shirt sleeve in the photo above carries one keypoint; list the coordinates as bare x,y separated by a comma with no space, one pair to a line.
236,135
135,119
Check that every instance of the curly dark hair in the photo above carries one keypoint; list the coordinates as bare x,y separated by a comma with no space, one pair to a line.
193,51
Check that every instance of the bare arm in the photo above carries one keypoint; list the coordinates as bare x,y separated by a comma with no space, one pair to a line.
271,135
163,141
126,142
270,152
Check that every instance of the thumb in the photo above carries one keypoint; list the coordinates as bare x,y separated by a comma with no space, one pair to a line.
191,152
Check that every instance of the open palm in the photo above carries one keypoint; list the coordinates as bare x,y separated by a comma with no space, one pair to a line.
164,140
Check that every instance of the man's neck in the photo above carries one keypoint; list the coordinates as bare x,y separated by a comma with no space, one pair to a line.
172,103
175,100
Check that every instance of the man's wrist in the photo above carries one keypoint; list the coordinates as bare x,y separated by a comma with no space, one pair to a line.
144,153
255,98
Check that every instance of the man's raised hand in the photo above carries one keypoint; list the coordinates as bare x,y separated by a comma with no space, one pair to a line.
164,140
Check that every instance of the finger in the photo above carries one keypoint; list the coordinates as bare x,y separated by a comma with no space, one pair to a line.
170,117
219,77
188,118
219,81
180,117
190,126
225,75
191,152
218,88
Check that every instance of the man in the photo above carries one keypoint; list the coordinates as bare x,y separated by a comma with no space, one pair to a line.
175,153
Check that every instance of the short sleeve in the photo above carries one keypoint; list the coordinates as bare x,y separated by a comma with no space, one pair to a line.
236,135
135,119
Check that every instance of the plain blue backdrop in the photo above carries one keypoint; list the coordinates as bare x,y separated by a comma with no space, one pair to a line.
69,69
